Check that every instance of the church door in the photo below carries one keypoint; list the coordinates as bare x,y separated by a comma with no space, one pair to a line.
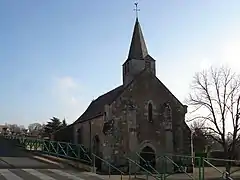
148,158
96,151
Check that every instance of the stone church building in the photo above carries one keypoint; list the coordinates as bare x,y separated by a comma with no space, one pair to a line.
140,116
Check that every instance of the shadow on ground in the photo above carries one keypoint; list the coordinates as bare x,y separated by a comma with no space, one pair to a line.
8,148
12,156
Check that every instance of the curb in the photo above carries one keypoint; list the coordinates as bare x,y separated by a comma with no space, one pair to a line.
61,162
45,160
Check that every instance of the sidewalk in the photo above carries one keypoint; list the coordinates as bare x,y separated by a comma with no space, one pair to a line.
62,162
210,173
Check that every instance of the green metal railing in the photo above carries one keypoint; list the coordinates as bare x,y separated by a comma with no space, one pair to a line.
224,174
110,166
181,164
77,152
55,148
180,168
148,164
147,172
68,151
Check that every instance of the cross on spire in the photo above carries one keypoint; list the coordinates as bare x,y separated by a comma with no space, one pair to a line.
136,9
138,48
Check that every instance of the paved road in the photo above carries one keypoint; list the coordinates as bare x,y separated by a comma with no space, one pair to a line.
44,174
17,164
13,157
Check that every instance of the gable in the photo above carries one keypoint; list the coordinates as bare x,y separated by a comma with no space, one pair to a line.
96,107
148,76
174,98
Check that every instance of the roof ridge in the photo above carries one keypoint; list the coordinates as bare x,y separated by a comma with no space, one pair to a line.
109,91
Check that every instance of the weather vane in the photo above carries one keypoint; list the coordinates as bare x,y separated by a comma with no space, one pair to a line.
136,9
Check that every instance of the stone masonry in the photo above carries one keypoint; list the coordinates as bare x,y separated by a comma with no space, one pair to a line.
140,113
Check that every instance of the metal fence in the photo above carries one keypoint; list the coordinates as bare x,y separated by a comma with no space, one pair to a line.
171,166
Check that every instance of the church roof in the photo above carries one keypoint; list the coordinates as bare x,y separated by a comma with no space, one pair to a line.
96,107
138,48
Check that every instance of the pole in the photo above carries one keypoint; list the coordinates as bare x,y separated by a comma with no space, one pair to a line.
192,154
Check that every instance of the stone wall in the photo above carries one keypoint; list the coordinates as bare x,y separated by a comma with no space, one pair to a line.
125,127
115,131
65,134
85,132
186,139
130,115
137,96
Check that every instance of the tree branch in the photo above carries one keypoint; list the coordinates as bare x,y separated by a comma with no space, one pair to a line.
217,92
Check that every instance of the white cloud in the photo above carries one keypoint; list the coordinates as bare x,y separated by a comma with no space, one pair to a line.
226,53
66,83
69,96
65,89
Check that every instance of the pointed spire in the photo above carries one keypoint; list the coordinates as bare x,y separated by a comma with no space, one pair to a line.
138,48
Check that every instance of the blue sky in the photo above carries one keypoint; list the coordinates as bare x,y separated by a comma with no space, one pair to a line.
56,56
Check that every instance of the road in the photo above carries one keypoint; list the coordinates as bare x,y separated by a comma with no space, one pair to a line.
17,164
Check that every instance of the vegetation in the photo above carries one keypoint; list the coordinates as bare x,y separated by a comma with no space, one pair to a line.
215,98
37,129
53,125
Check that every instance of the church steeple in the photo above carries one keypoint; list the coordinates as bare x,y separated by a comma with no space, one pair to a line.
138,48
138,57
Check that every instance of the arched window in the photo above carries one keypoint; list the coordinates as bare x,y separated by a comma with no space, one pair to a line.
150,113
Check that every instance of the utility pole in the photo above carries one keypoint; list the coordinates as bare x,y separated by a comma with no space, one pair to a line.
192,154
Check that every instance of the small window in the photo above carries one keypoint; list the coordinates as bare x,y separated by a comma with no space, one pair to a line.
150,113
147,65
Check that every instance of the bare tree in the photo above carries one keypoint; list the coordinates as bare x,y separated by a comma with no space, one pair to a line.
216,97
34,127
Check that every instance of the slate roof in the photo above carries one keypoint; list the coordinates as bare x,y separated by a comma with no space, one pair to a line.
96,107
138,49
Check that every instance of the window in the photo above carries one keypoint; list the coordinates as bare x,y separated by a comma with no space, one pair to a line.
150,113
147,65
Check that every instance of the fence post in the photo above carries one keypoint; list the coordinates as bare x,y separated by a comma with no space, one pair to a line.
203,171
129,169
201,167
94,168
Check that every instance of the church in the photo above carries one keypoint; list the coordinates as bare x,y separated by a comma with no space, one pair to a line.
140,116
